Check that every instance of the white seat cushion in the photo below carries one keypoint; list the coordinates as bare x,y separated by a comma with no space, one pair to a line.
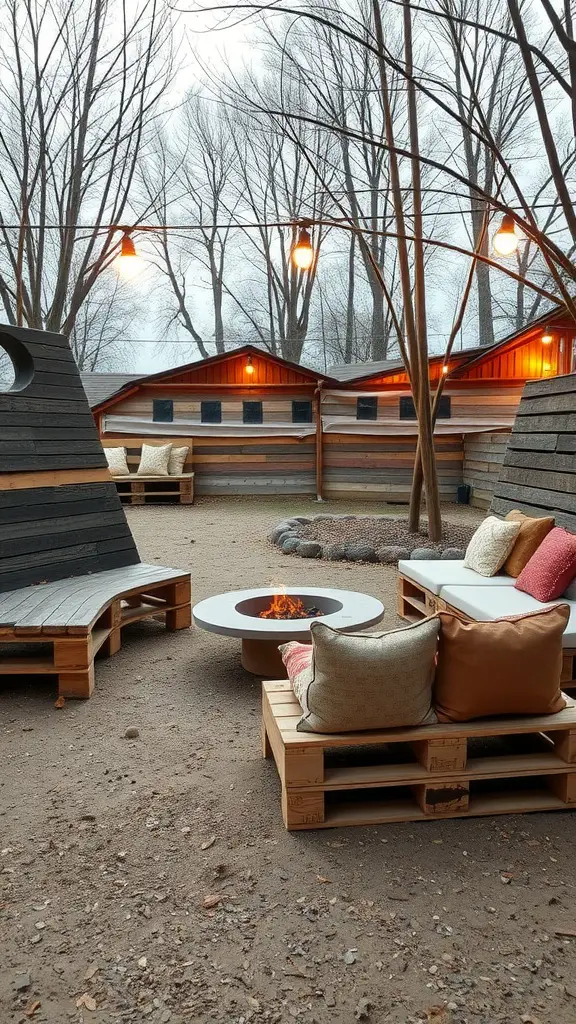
438,573
485,604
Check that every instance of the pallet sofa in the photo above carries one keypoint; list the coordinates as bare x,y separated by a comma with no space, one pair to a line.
70,573
145,490
425,587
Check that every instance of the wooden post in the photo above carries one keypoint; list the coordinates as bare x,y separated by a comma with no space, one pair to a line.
319,444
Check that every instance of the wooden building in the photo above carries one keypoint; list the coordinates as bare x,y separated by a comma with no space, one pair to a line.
260,424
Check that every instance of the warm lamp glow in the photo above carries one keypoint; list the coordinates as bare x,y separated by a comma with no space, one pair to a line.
505,241
128,263
249,368
547,367
444,368
303,253
547,338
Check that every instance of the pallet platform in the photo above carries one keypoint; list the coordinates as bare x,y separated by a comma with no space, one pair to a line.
58,628
494,766
416,603
145,490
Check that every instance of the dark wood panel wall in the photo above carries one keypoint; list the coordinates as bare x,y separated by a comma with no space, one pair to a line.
60,514
483,458
539,470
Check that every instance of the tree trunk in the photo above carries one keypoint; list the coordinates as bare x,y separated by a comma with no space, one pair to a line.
349,342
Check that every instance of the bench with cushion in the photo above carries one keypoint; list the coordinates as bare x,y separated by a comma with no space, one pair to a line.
70,573
139,489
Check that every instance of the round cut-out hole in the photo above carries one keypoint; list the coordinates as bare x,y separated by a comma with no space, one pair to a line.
7,370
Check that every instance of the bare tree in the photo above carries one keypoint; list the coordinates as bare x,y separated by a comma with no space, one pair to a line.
105,322
81,89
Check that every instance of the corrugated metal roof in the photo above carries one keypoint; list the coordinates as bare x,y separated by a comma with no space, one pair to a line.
101,386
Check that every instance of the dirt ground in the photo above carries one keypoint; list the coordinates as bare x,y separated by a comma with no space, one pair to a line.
110,846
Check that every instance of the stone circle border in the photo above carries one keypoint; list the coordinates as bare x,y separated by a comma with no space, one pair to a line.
286,536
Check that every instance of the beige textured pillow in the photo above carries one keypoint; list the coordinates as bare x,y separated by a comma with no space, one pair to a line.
177,460
491,545
359,681
154,459
116,459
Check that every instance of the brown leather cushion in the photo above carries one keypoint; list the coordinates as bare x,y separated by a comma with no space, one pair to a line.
532,533
506,667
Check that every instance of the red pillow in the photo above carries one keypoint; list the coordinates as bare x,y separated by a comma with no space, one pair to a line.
551,568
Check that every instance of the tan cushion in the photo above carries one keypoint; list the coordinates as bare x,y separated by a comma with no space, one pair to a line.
530,537
362,681
509,666
154,460
116,459
491,545
177,460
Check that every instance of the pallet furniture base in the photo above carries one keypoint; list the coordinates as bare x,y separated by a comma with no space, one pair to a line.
416,603
143,490
494,766
60,627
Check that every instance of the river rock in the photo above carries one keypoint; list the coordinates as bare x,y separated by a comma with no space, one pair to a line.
360,552
335,552
451,553
289,544
424,553
391,554
309,549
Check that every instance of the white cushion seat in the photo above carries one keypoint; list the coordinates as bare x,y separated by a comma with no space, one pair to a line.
484,604
434,574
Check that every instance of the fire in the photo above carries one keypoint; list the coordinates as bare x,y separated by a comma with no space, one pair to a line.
282,606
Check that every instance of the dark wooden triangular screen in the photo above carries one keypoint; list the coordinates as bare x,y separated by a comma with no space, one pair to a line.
60,514
539,471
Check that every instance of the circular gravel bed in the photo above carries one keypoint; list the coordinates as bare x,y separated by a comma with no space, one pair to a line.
366,539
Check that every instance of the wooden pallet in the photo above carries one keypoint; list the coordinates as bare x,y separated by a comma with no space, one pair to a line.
416,603
495,766
144,490
57,629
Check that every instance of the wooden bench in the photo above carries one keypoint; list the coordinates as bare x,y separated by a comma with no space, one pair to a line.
495,766
144,490
58,628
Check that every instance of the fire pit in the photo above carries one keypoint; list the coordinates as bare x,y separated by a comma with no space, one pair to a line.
264,618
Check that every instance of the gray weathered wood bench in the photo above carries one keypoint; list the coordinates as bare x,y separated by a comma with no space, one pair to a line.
70,620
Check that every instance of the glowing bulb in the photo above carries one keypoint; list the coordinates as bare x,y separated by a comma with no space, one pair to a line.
505,241
547,338
128,263
444,368
249,367
302,252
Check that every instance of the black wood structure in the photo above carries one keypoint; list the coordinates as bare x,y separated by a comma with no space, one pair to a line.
61,519
539,471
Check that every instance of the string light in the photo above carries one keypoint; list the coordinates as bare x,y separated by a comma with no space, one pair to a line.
505,240
302,252
128,263
445,368
547,338
249,368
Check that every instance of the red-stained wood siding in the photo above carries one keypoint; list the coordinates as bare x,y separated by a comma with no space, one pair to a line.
233,370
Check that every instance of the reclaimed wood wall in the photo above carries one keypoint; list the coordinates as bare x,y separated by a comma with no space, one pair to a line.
368,467
539,470
60,514
475,406
483,458
276,406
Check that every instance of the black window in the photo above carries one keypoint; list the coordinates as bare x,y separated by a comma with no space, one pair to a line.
302,411
408,410
367,408
211,412
252,412
163,410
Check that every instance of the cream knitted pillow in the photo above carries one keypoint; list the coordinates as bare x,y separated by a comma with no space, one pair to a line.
177,460
116,459
491,545
359,681
154,460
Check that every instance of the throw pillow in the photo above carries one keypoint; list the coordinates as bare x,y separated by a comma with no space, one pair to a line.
530,537
154,460
177,460
359,681
551,568
507,667
490,546
297,658
116,459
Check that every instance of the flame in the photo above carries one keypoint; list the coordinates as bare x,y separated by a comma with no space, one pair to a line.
282,606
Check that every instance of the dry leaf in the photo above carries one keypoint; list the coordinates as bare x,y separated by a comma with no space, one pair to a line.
209,842
60,702
435,1013
322,879
87,1001
31,1010
91,971
211,901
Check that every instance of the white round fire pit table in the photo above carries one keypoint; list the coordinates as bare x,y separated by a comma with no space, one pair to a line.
247,614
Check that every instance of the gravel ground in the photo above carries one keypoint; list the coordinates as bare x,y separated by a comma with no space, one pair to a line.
151,879
383,532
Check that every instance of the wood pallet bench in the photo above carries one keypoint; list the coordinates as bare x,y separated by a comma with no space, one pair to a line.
58,628
416,603
494,766
144,490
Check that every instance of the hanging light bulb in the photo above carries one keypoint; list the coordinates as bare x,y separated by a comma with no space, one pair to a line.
445,368
249,368
128,263
505,240
302,252
547,338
